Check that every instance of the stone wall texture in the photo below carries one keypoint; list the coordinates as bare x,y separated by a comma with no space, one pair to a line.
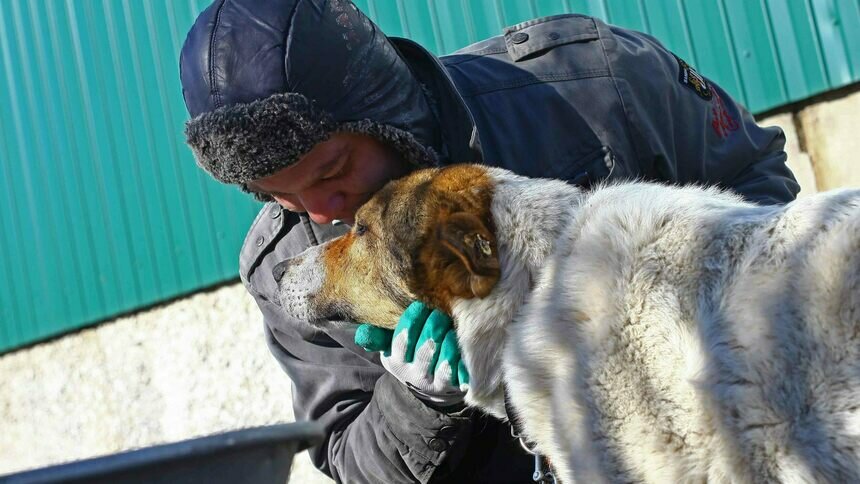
193,367
199,365
830,134
822,142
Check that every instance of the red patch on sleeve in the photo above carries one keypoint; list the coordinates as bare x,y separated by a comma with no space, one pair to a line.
722,122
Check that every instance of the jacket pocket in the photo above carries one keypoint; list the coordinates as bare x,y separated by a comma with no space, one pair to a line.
530,38
593,168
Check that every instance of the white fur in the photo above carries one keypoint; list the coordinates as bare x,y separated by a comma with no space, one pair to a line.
302,279
660,334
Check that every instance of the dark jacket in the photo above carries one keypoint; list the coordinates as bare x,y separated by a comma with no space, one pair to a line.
565,97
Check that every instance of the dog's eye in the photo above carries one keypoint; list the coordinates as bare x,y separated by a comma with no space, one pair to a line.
360,228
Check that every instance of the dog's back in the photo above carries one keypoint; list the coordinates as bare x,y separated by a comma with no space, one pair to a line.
685,335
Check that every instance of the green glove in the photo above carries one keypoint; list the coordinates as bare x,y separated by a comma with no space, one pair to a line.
422,352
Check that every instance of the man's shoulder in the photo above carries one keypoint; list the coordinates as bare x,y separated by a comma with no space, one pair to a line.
525,37
518,56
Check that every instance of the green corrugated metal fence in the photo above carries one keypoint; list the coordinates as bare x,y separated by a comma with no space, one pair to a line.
102,209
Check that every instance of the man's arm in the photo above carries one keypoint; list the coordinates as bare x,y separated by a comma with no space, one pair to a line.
687,129
377,430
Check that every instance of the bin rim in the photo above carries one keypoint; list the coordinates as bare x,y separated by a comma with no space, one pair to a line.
300,434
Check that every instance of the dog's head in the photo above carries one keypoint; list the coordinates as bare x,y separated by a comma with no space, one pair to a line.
428,236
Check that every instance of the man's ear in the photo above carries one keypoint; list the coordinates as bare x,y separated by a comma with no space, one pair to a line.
466,236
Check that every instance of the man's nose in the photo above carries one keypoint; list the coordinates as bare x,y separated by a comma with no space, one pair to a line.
323,206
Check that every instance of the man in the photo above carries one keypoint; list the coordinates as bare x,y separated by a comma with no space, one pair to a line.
307,104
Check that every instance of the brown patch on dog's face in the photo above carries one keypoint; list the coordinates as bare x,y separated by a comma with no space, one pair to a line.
428,236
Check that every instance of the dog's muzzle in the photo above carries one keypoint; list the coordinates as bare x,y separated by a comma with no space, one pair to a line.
299,281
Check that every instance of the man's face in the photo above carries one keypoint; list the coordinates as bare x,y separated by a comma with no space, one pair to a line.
332,180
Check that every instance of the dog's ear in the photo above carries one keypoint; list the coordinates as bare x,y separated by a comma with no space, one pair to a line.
468,238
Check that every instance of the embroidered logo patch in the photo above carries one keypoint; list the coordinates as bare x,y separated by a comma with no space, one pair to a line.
692,79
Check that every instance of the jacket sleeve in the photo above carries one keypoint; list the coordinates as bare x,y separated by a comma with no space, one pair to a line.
687,129
377,431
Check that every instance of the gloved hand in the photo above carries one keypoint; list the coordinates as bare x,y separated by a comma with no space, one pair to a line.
422,352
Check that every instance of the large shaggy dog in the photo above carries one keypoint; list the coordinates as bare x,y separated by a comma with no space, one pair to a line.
644,332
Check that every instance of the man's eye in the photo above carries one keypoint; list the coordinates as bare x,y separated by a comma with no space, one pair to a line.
331,176
360,228
336,172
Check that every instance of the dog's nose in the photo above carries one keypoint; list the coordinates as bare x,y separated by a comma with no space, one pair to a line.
280,269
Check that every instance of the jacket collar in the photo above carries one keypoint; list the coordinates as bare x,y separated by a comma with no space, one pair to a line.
459,133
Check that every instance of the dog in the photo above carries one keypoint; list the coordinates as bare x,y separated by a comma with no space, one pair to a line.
643,332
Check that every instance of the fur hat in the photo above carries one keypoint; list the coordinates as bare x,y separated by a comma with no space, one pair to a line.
244,142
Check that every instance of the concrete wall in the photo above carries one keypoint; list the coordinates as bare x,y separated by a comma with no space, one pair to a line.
193,367
200,365
823,143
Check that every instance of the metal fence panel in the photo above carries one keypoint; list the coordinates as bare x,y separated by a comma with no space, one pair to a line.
103,211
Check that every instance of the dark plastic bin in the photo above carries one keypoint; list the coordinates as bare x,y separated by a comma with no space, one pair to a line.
258,455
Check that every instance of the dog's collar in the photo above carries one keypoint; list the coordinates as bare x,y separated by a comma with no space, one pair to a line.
516,426
543,471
